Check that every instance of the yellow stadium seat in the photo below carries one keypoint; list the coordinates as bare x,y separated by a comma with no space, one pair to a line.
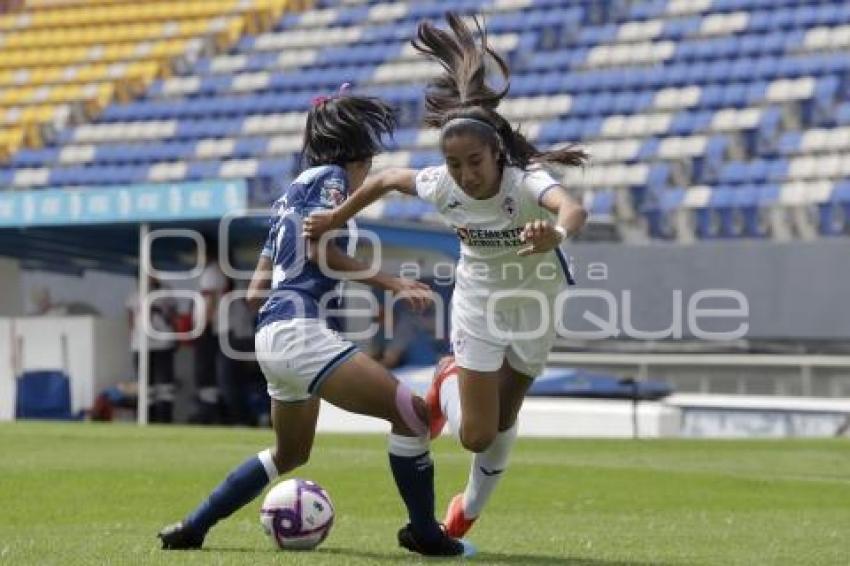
43,113
46,75
117,13
62,52
62,93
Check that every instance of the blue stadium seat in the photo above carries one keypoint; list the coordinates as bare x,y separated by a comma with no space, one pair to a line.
199,170
422,159
648,10
733,71
648,149
30,158
658,209
351,16
707,166
603,204
834,215
764,138
745,220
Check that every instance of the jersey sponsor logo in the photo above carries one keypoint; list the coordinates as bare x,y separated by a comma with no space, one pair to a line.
490,238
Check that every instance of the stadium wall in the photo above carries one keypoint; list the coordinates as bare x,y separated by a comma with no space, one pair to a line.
691,416
10,283
793,290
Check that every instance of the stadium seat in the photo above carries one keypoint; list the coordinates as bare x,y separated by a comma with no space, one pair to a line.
735,97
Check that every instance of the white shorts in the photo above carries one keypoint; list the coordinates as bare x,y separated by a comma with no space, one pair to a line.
522,334
297,355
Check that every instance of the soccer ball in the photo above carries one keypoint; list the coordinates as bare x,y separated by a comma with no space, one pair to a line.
297,514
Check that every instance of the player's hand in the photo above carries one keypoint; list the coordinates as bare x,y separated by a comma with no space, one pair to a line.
540,236
418,295
318,223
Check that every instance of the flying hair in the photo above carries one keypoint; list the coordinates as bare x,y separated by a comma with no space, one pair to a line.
343,128
460,95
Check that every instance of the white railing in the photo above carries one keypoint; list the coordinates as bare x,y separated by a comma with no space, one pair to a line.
642,362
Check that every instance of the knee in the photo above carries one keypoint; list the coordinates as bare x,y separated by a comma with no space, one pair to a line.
420,409
411,413
287,460
476,440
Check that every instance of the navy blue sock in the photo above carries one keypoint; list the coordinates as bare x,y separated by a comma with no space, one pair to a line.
240,487
413,471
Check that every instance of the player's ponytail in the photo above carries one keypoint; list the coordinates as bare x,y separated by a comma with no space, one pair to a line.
459,100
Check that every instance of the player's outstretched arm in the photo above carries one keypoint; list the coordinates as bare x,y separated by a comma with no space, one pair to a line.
572,216
542,236
375,187
328,256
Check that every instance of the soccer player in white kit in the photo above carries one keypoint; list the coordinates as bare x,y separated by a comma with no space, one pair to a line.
511,217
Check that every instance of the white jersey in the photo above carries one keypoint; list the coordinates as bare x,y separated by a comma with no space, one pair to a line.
489,232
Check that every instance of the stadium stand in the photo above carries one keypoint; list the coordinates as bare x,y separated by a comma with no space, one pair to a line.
705,119
63,62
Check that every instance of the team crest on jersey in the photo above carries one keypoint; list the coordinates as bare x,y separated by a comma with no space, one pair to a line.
429,175
282,203
332,195
459,341
509,207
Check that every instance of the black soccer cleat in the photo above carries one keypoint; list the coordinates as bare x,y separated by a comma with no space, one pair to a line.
179,537
443,546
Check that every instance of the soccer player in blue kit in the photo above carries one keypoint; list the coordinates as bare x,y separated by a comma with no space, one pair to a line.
299,348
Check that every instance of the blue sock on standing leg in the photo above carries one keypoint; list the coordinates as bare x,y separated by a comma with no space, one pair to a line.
413,471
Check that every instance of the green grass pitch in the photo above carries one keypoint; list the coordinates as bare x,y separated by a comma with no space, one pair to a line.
97,494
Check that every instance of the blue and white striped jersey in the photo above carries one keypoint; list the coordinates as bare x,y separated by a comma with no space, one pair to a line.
299,289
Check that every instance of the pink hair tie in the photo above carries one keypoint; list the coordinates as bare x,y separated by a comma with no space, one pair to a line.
322,98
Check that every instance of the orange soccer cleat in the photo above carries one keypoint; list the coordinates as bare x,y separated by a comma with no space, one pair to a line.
457,525
445,368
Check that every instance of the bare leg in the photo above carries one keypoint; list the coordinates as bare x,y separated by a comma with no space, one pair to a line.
295,428
363,386
489,463
479,400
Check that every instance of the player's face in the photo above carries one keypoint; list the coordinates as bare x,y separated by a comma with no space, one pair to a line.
357,172
473,164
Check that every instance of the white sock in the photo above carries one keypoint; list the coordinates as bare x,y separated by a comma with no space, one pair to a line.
408,446
486,471
268,464
450,403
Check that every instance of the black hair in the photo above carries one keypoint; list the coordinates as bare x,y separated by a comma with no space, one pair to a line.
461,91
345,128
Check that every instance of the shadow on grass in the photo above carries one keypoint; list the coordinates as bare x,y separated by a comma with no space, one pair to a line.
492,558
327,552
546,559
232,549
482,557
